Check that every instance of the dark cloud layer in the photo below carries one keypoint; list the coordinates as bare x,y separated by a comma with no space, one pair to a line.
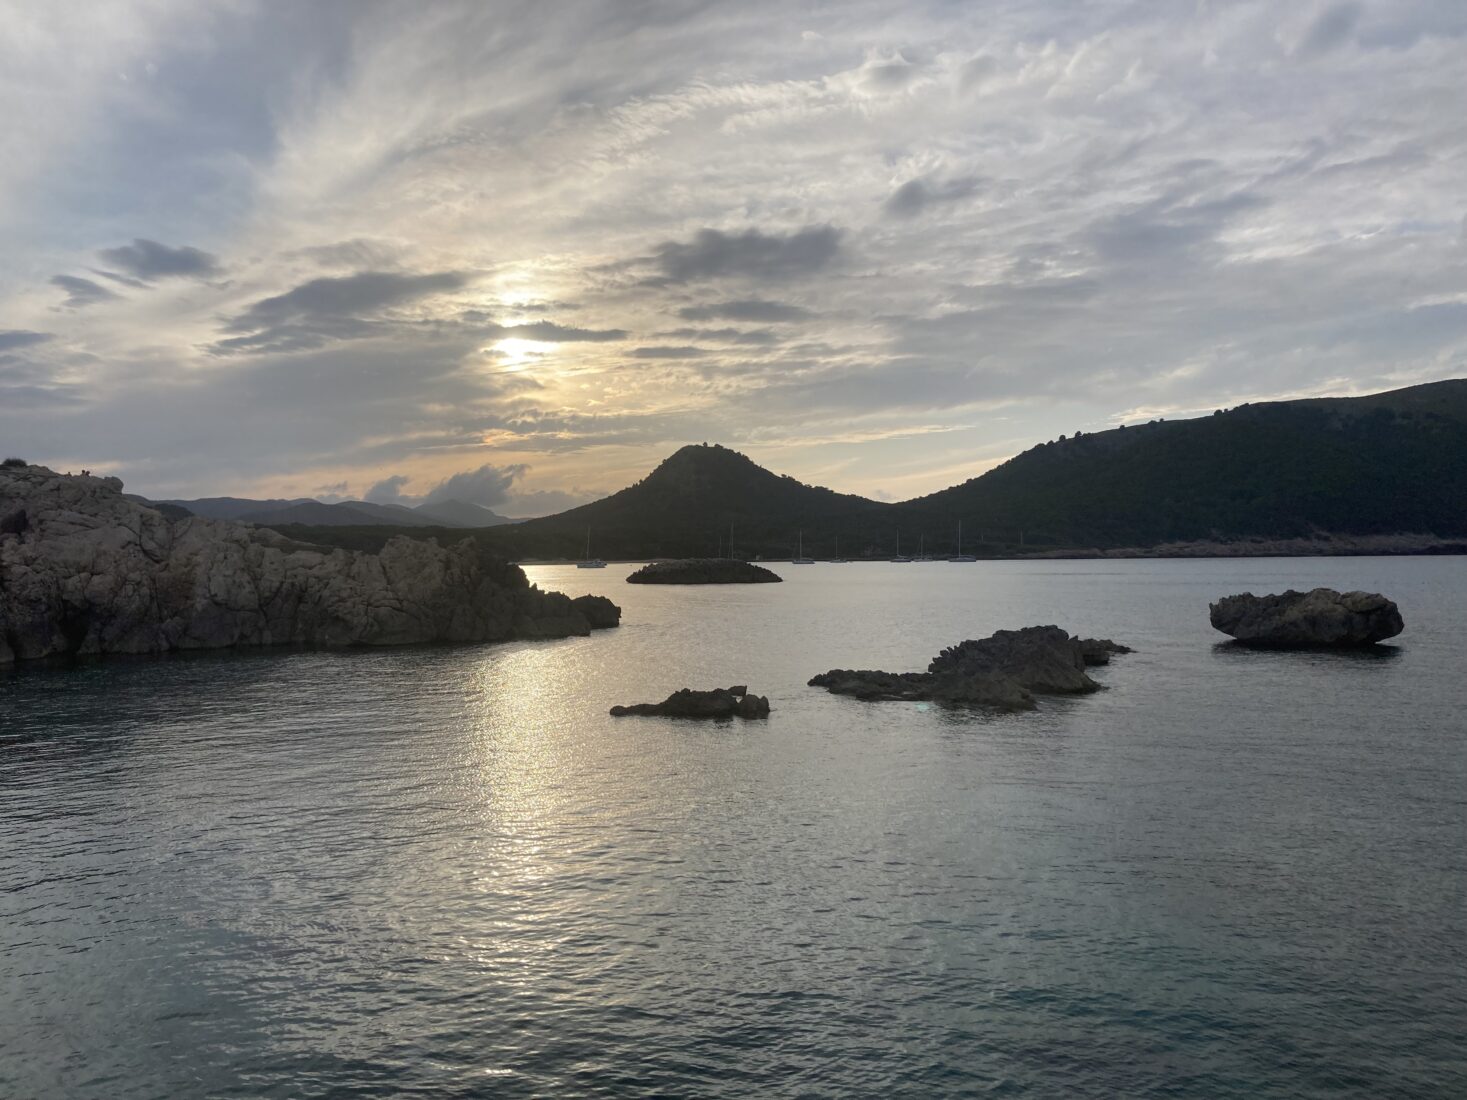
327,309
81,292
713,254
550,333
11,339
916,195
147,260
744,309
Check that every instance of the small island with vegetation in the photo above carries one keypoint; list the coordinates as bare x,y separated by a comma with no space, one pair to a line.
703,571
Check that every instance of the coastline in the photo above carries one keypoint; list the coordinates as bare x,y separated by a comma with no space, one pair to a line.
1333,546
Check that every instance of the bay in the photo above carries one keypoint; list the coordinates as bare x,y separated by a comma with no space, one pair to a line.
448,872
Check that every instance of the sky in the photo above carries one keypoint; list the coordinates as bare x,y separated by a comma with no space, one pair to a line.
517,253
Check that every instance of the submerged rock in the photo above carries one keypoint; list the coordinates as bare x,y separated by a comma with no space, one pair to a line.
687,703
1004,670
1300,620
703,571
84,570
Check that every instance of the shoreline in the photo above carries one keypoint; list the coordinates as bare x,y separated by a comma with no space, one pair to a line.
1363,546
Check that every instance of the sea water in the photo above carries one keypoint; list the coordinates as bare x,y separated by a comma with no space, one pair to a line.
448,872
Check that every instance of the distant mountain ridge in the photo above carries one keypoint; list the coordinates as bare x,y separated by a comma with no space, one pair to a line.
307,511
1384,465
1391,463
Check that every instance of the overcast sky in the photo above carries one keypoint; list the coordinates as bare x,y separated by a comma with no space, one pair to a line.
339,249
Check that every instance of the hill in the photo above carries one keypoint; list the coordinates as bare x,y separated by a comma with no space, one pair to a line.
687,506
1389,463
458,513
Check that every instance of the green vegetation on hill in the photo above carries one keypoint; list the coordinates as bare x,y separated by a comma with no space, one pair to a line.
1393,463
1360,466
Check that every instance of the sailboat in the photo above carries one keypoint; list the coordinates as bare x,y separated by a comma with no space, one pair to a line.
799,558
960,556
589,562
838,560
922,554
899,555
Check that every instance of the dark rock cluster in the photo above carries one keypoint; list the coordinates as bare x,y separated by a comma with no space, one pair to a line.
687,703
1005,670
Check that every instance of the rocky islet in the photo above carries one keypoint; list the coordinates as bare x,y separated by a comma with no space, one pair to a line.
85,570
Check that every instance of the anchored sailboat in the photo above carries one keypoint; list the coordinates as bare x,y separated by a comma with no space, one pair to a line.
899,555
589,562
960,556
799,558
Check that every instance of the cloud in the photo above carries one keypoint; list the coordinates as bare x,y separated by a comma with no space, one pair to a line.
713,254
327,309
147,260
550,333
1156,232
976,73
11,339
547,502
1164,231
81,292
1330,29
745,309
666,353
388,490
486,485
760,336
916,195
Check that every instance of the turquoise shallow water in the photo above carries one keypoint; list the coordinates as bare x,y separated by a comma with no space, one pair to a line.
447,872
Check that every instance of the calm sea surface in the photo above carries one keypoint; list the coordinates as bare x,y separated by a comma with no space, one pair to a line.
447,872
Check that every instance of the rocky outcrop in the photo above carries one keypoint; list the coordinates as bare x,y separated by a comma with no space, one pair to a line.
1301,620
1099,651
598,611
703,571
84,570
687,703
1005,671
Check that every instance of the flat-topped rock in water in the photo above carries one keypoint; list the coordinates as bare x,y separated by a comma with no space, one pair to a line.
703,571
1004,671
687,703
1304,620
85,570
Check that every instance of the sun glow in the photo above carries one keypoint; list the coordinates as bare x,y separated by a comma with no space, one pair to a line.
517,353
